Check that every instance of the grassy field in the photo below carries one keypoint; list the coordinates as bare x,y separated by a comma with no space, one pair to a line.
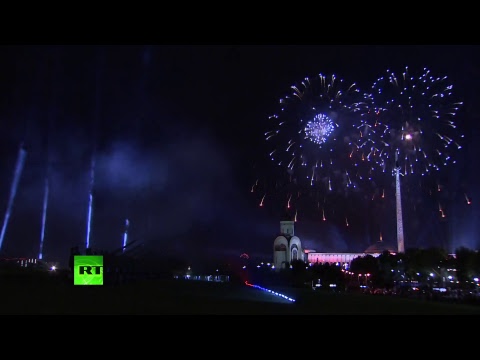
29,294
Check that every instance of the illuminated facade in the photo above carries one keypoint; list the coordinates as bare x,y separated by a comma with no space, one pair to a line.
334,258
374,250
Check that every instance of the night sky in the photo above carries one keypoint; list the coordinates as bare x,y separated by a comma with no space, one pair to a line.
178,133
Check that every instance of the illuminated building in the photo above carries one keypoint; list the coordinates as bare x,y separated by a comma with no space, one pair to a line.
287,248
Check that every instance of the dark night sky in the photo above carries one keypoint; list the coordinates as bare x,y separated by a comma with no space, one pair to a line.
178,130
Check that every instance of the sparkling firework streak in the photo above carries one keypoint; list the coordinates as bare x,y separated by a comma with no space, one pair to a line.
415,117
263,199
44,217
253,186
22,154
316,132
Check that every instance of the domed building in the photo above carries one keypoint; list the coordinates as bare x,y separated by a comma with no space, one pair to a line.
287,247
379,247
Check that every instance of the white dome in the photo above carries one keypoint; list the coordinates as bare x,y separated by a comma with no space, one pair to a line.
280,240
295,240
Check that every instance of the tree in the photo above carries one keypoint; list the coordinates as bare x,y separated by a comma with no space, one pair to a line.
467,261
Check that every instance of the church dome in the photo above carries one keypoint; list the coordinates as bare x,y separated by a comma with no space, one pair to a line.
379,247
294,239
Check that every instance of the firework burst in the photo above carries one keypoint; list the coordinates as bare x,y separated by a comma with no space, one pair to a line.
313,147
414,116
316,133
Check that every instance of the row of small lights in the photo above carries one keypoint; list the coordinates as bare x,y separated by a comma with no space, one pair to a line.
475,280
351,273
270,291
270,265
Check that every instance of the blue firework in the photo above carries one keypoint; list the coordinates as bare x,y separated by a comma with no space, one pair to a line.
413,116
315,133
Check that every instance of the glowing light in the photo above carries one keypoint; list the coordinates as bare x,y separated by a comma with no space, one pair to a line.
467,200
89,220
125,234
22,154
44,217
319,129
90,202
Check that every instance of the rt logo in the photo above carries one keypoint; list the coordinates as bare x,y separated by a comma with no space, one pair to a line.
88,270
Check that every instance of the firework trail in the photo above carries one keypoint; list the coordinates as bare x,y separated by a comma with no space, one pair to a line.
22,154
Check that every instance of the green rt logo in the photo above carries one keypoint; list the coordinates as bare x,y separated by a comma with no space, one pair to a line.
88,270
